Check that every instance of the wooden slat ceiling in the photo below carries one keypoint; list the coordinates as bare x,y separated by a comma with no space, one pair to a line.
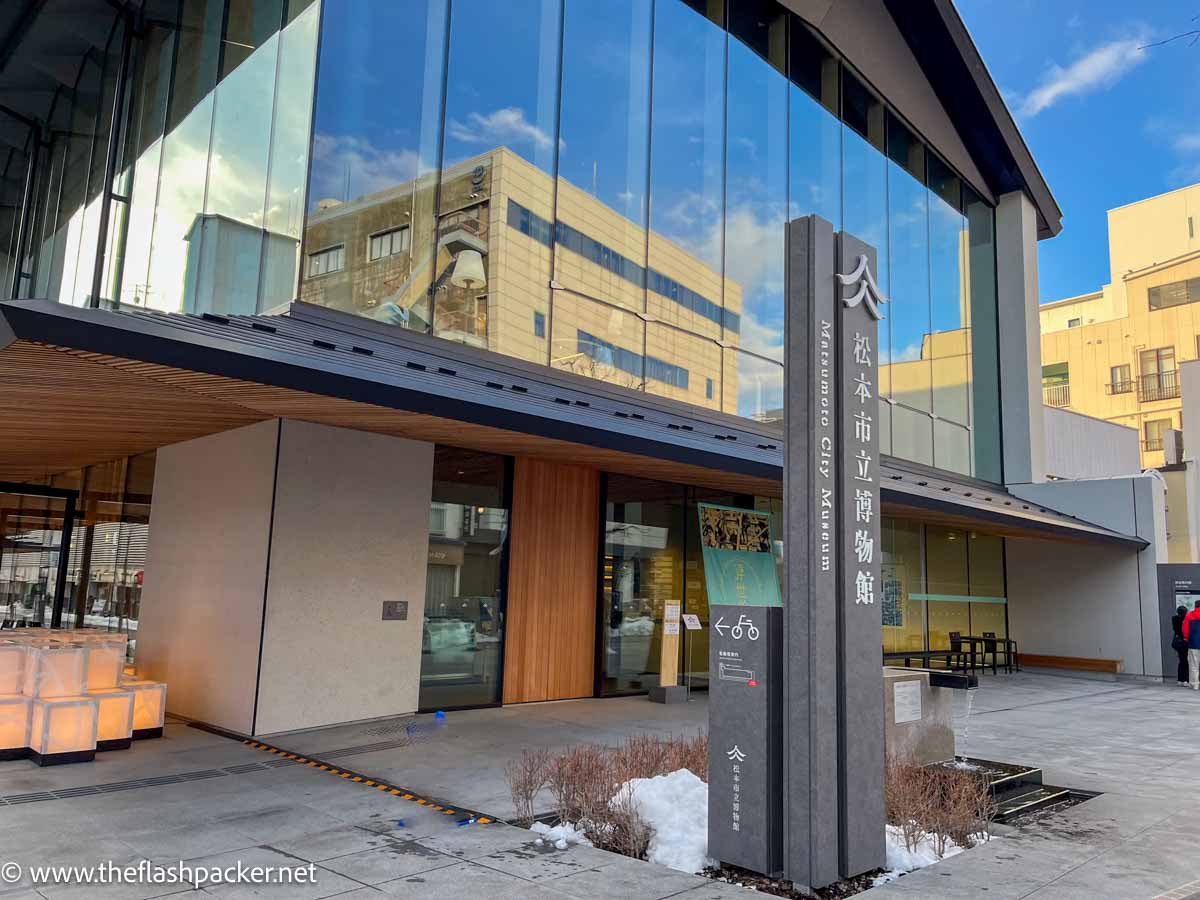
63,408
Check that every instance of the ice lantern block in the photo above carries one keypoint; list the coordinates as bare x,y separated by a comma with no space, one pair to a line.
114,727
149,707
55,670
14,726
105,660
12,668
62,730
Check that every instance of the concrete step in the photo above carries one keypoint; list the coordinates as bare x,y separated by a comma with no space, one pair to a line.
1034,798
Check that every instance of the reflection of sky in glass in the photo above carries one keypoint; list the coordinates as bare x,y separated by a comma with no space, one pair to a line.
816,164
606,102
909,233
378,101
687,142
756,196
946,230
503,84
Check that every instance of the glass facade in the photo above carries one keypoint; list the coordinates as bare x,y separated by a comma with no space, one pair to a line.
110,524
612,201
608,197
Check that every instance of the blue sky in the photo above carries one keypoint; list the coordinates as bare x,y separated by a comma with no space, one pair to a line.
1108,123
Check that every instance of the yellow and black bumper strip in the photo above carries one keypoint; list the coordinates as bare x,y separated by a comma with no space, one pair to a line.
463,816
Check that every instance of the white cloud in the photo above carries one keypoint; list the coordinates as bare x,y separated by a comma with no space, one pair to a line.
1099,68
505,126
342,159
1188,143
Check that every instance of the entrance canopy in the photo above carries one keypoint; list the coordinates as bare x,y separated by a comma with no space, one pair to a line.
80,386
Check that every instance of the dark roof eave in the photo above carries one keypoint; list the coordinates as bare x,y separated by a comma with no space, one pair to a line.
225,346
950,60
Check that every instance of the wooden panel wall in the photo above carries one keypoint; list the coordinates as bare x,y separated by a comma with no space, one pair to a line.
550,625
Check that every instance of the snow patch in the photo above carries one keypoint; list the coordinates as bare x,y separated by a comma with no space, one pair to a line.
675,806
901,860
560,836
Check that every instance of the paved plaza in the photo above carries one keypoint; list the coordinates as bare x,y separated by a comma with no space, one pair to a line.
213,801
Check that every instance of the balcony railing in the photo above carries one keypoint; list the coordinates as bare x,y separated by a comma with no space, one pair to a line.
1056,394
1119,387
1158,386
1151,444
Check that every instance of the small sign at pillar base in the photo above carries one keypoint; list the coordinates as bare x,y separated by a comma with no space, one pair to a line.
395,610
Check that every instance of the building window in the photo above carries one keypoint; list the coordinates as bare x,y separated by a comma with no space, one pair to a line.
1177,293
437,518
324,262
708,388
1056,384
388,243
539,324
1074,323
1158,379
1155,430
1119,380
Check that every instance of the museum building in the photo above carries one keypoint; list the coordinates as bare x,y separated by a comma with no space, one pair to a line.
364,358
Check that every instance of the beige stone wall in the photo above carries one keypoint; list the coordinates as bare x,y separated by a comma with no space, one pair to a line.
1091,351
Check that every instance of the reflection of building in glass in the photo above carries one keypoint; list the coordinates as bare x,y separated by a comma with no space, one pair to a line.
483,283
226,260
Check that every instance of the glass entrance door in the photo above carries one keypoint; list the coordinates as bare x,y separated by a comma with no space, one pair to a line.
462,636
33,530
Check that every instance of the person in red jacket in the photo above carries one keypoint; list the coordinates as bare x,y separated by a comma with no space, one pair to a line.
1191,634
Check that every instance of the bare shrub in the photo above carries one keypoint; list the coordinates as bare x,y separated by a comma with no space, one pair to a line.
907,794
641,756
619,828
578,780
688,753
946,804
526,777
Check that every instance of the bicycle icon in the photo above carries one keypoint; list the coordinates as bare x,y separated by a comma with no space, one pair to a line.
751,631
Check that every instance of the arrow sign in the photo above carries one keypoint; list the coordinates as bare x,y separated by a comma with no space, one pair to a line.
717,626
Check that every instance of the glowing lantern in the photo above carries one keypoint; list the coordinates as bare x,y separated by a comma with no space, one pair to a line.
105,659
12,668
61,730
149,707
114,726
55,670
14,726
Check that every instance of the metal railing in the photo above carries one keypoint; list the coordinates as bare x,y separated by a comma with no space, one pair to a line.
1151,444
1158,386
1119,387
1056,394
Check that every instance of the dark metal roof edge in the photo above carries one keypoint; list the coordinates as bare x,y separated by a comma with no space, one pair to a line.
194,343
155,339
941,22
1075,528
426,343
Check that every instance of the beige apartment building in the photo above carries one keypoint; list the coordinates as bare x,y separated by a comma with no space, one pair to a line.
666,329
1115,353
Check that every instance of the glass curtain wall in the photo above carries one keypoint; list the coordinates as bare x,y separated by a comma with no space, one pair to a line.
462,635
610,200
210,158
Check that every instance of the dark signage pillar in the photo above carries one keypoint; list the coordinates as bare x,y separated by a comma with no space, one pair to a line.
810,733
744,790
860,691
833,817
745,688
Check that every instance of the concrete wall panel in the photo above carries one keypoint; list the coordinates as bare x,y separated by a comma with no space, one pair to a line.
206,566
351,530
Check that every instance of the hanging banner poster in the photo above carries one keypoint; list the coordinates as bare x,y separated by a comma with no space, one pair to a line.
739,565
